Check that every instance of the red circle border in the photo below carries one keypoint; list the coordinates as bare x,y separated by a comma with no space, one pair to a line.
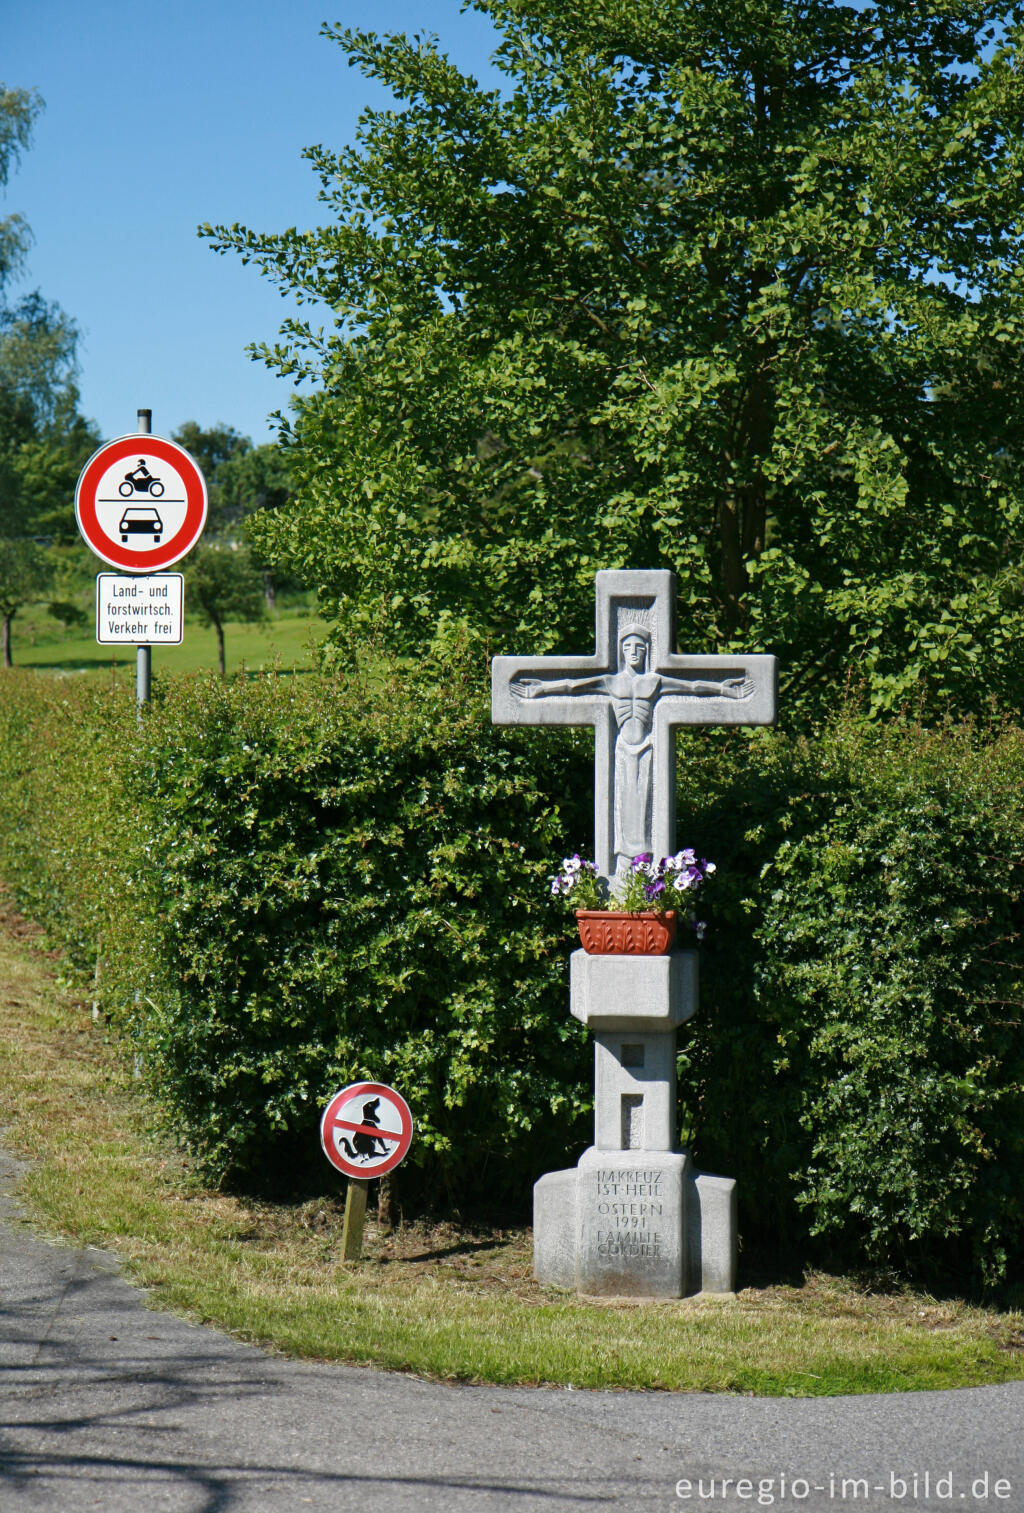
181,543
349,1168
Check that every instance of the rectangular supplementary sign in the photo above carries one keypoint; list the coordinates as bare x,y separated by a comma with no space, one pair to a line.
147,610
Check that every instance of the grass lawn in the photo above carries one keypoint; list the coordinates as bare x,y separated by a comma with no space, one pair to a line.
284,640
447,1303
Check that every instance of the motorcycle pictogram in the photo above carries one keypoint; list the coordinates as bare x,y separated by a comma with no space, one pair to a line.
140,481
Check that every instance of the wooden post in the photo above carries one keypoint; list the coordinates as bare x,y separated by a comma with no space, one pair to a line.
355,1213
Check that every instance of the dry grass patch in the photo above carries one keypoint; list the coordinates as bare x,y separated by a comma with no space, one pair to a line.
444,1301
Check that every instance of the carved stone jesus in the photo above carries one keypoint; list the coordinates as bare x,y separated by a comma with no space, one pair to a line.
633,691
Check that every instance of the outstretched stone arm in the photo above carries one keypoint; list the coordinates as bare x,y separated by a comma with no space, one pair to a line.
540,688
727,688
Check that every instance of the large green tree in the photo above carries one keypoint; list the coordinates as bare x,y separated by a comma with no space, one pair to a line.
43,438
728,286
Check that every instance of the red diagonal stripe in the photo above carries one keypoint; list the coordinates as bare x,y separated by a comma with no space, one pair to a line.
369,1129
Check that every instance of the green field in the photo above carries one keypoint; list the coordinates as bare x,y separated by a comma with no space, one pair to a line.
284,640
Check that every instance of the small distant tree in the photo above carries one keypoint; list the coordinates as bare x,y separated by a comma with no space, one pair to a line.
24,576
253,483
241,480
223,583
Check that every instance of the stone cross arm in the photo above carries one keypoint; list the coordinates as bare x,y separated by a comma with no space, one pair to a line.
573,690
634,690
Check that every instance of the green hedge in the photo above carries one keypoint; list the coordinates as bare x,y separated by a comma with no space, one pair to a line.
294,884
860,1057
69,822
309,885
355,889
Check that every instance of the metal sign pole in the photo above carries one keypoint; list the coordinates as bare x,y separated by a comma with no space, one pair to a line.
143,658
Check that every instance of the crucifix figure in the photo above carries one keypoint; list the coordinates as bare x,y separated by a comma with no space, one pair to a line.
634,690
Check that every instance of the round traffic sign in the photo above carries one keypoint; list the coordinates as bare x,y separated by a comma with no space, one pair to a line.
366,1129
141,503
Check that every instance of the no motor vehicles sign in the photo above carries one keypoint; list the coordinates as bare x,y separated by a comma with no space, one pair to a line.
141,503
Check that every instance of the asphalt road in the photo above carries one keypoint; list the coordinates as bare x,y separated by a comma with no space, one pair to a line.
110,1405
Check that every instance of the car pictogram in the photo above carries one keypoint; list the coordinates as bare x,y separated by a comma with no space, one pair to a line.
141,520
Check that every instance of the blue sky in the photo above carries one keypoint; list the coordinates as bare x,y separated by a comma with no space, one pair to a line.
158,118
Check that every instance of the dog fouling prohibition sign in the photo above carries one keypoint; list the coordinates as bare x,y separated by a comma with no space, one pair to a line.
366,1130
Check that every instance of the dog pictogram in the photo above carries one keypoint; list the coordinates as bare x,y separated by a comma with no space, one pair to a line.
363,1146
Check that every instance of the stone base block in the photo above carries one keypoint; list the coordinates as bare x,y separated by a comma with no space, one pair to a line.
635,1224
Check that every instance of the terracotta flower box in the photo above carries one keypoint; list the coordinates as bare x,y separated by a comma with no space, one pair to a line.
607,933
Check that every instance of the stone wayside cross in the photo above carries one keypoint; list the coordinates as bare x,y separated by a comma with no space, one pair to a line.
633,1216
634,690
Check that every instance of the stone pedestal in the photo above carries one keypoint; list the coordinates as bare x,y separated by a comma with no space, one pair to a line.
634,1218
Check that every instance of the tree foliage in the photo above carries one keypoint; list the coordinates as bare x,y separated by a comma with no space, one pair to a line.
18,109
214,449
44,441
728,286
254,480
240,479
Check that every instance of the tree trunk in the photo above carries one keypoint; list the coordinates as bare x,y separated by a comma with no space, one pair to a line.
743,512
734,570
269,592
5,637
221,659
385,1199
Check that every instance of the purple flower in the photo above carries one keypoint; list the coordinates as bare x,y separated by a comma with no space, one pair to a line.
643,860
653,889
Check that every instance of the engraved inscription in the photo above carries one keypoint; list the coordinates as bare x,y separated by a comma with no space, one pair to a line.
629,1181
631,1247
629,1213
